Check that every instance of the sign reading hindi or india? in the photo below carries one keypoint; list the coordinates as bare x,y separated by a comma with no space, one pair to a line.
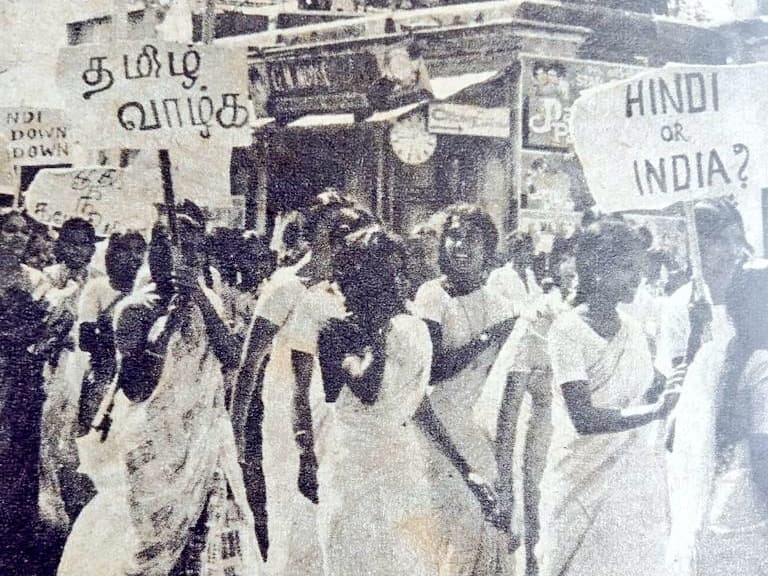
674,134
155,95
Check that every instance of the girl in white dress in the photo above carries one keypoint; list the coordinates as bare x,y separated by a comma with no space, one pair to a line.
469,321
592,521
718,467
375,513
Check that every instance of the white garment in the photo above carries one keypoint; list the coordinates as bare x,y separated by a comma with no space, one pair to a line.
719,516
165,456
461,319
300,312
592,520
62,387
375,515
675,328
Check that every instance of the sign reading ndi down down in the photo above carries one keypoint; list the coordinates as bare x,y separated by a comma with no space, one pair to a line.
35,135
674,134
149,95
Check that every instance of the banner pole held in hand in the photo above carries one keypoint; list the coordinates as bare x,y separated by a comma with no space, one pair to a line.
168,195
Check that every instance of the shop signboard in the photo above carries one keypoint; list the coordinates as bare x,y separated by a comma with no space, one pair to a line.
112,199
310,80
549,88
552,182
156,95
36,136
462,119
675,134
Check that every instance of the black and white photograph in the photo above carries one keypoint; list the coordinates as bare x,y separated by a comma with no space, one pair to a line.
384,288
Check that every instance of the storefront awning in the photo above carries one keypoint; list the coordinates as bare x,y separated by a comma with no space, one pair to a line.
443,87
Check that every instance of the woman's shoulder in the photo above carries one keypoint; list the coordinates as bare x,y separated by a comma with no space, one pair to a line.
569,321
757,366
409,324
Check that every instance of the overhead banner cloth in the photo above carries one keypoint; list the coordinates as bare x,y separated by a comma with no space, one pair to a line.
112,199
155,94
673,134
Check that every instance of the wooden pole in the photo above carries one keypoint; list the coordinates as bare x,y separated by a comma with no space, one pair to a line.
209,22
694,253
168,194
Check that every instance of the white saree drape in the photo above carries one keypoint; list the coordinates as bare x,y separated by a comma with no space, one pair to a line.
719,516
591,521
173,457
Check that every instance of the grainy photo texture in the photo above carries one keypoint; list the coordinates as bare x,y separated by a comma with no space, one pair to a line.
383,288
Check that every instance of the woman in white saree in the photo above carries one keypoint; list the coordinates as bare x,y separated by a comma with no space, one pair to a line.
601,366
719,463
171,498
375,515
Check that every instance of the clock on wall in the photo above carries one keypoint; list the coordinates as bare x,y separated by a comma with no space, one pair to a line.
411,141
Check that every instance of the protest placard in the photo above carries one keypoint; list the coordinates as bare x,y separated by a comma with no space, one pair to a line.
680,133
156,95
36,136
7,178
112,199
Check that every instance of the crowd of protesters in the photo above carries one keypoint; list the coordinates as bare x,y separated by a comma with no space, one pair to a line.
337,400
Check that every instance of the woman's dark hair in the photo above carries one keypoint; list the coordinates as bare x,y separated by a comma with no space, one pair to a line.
256,262
473,216
225,247
367,269
747,308
114,261
713,215
325,207
600,248
75,226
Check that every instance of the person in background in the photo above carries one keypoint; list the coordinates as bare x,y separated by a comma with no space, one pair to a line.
171,498
375,369
23,331
255,263
468,321
269,386
39,253
719,467
124,257
523,366
423,248
515,279
645,308
686,313
59,498
591,520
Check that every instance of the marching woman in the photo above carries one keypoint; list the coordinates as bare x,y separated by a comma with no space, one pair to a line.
719,464
591,521
22,331
292,307
375,514
468,321
171,498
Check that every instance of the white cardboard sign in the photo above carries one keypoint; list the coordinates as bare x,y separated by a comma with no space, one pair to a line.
36,136
680,133
112,199
153,94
